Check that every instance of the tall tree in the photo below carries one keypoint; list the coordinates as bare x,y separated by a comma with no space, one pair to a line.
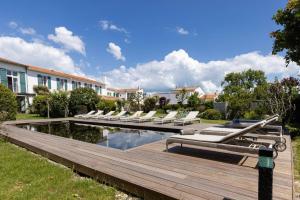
241,89
181,96
287,39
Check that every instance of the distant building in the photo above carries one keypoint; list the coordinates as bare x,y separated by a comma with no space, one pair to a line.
124,93
209,96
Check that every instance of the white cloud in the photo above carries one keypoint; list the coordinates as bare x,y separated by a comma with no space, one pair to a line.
108,25
13,24
27,31
115,50
34,53
182,31
69,41
179,69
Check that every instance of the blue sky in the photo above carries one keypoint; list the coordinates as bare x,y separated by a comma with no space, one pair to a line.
144,31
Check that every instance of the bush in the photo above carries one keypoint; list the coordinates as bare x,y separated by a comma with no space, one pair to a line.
106,105
39,105
194,101
82,97
252,115
211,114
149,104
41,90
8,103
59,102
209,104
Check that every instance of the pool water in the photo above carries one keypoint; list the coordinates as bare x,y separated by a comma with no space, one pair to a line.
119,138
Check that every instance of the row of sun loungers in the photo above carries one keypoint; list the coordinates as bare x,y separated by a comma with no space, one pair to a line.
136,117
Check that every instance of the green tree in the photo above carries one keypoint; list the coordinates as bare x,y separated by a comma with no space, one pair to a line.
106,105
82,100
287,39
194,101
149,104
59,103
181,96
135,100
281,95
241,89
42,103
8,104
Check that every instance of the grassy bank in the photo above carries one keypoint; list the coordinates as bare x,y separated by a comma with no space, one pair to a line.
209,121
28,176
28,116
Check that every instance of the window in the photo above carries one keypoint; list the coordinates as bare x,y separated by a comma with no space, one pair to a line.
62,84
44,80
12,80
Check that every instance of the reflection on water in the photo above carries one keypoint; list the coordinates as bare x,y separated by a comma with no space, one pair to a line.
118,138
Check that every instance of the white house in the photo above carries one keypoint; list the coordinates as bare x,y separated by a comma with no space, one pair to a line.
124,93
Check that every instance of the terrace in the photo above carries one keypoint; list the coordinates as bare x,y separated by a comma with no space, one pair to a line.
151,173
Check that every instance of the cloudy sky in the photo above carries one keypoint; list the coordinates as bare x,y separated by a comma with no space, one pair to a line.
156,44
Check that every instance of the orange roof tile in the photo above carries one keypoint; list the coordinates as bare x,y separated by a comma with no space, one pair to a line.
12,62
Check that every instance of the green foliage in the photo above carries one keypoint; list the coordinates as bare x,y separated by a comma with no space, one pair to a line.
241,89
211,114
135,101
149,104
106,105
209,104
252,115
171,107
181,96
194,101
163,101
281,95
120,104
8,104
41,90
287,39
39,105
82,97
59,102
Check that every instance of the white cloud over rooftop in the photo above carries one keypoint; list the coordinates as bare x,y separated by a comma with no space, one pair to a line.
179,69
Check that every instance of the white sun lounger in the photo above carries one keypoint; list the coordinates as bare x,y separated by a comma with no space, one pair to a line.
145,118
135,115
87,114
171,116
99,112
117,116
190,118
230,142
103,116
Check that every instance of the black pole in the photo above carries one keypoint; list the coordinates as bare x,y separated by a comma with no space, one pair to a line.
265,168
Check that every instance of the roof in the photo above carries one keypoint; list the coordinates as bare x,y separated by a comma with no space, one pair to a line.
62,74
12,62
209,96
52,72
109,97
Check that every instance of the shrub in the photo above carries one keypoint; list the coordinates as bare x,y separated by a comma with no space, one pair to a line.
39,105
106,105
209,104
82,97
194,101
120,104
149,104
211,114
252,115
163,101
41,90
59,102
8,103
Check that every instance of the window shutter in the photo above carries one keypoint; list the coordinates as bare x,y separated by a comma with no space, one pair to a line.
100,90
66,85
49,82
58,83
3,77
22,82
40,81
73,85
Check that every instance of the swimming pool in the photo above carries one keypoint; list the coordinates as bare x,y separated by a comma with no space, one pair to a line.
119,138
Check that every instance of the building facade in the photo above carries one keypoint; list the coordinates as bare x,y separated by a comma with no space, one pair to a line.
21,79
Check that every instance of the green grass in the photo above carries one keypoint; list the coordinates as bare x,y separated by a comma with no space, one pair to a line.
25,175
209,121
28,116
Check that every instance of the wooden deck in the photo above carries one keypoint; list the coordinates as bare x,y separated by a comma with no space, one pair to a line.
150,172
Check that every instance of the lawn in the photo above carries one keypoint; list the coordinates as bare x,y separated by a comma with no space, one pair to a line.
25,175
28,116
